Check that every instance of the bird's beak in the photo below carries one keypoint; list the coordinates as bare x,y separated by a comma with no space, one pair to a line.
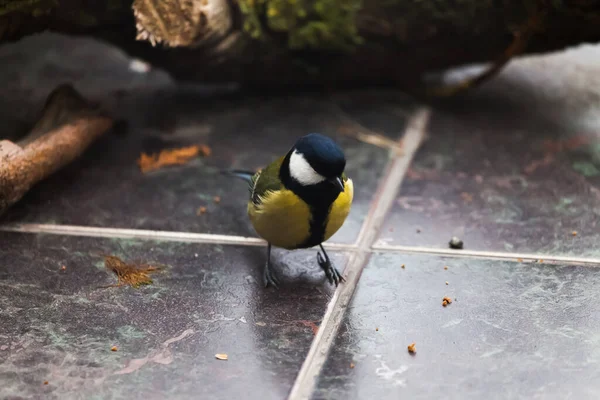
337,182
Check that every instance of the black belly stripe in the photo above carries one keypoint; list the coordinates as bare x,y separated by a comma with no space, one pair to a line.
318,224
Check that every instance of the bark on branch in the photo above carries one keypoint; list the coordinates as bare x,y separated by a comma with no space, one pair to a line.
68,125
300,42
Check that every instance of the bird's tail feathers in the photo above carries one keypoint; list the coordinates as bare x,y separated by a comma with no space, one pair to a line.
244,175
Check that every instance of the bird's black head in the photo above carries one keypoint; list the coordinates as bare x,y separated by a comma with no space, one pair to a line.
316,160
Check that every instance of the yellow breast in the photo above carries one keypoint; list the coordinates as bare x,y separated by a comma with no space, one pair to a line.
283,219
339,210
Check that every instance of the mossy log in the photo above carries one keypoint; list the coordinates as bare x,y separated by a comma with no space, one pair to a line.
304,42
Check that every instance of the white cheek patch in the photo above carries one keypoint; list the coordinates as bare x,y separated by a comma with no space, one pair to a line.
301,170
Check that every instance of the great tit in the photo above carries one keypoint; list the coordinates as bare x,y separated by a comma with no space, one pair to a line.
300,200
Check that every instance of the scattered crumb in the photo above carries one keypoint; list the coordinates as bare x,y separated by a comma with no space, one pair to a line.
114,348
167,157
221,356
217,199
456,243
200,211
412,348
403,266
446,282
446,300
260,323
45,382
445,267
196,255
467,197
376,329
519,259
129,274
540,261
574,233
63,268
351,365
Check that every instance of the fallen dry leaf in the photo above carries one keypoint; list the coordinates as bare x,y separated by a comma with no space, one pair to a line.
412,348
129,274
221,356
167,157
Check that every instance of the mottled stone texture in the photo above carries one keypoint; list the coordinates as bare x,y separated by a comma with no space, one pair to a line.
513,167
59,325
512,331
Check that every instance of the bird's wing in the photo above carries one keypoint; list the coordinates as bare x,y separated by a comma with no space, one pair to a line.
266,180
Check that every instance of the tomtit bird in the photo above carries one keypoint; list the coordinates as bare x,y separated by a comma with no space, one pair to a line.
300,200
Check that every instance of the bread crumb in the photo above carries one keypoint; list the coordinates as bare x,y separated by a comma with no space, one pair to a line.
446,300
519,259
217,199
45,382
351,365
376,329
540,261
446,282
114,348
412,348
574,233
467,197
221,356
63,268
200,211
403,266
446,267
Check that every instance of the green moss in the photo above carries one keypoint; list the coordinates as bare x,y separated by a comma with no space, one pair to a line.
35,7
309,24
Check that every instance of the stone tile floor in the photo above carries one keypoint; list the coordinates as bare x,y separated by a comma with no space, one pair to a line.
513,168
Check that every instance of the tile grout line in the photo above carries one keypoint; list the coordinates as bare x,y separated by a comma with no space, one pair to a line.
306,380
172,236
209,238
491,255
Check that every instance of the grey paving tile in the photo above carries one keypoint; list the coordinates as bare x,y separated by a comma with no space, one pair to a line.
58,326
514,166
513,331
106,187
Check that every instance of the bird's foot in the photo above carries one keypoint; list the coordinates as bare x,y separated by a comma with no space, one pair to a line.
332,274
269,278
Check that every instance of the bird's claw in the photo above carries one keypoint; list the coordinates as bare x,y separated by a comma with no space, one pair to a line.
269,278
332,274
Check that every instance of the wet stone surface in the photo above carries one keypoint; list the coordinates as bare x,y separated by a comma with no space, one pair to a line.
106,187
512,331
59,325
514,166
